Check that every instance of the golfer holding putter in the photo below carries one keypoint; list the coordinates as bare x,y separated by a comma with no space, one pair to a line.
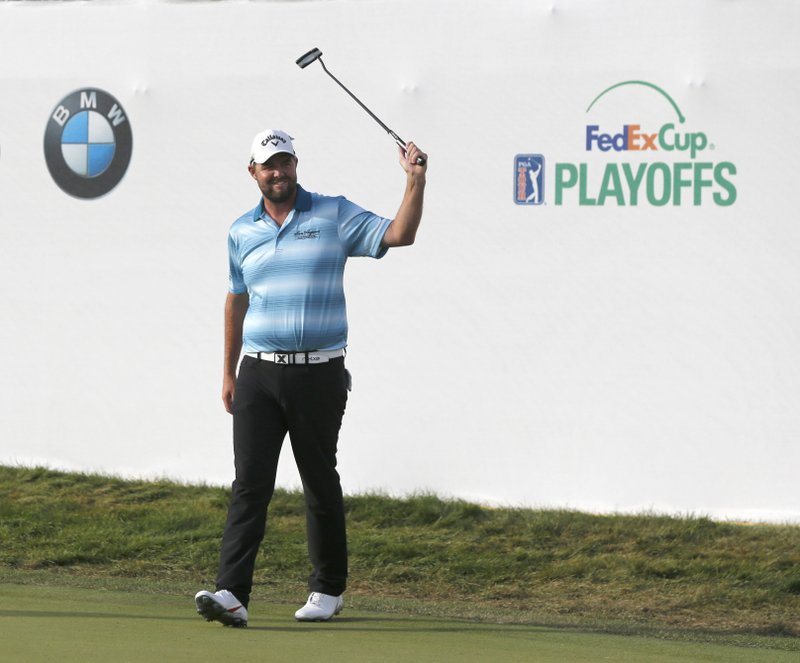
286,309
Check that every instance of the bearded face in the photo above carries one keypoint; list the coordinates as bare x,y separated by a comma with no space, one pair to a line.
277,177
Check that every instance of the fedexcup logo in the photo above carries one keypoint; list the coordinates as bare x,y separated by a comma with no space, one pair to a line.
658,160
88,143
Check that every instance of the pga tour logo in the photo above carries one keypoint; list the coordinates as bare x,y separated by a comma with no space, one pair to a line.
88,143
529,179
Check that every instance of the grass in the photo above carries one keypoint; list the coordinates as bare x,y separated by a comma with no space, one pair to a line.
43,624
94,626
688,577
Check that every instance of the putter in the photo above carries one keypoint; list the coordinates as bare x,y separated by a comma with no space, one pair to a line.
315,54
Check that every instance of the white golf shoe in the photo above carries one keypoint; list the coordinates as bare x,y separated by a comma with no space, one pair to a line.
221,606
320,608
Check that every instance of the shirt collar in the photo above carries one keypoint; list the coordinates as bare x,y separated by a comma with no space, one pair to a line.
302,203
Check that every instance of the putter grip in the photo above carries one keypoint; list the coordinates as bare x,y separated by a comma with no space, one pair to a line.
420,161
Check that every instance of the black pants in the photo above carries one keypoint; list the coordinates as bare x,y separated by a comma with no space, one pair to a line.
308,402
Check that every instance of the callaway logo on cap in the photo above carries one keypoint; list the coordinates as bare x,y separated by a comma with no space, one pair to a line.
268,143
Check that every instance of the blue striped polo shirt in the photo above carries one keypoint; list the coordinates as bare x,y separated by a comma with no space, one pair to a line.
294,273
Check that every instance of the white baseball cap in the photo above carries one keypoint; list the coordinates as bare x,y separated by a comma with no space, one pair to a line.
269,142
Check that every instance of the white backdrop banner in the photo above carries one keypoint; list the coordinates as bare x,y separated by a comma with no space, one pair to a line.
602,310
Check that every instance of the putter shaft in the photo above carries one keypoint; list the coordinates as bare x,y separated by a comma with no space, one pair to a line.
315,54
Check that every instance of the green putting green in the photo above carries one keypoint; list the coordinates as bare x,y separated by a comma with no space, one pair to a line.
95,626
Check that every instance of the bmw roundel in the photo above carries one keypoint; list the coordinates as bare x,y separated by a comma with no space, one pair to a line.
88,143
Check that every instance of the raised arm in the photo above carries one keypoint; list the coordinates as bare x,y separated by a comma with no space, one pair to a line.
403,229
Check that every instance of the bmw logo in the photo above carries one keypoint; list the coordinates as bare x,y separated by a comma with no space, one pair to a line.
88,143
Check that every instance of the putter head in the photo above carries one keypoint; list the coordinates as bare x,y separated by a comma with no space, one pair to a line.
304,60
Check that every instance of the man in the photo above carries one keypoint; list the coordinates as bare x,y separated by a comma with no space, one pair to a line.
286,307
